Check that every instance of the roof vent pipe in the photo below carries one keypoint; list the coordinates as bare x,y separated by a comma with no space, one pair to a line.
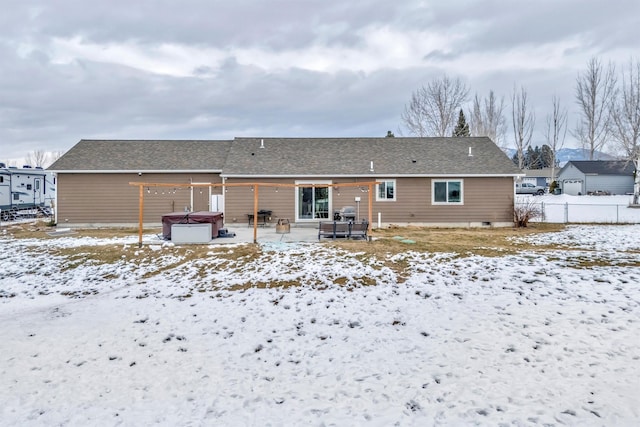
262,143
371,166
470,152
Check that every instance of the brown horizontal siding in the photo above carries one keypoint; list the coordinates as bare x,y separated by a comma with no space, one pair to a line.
411,205
281,200
239,201
485,200
345,196
490,199
109,199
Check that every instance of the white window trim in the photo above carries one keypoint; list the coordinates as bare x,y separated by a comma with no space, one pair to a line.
395,190
433,192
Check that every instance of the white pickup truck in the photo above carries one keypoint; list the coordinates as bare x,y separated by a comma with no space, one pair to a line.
528,188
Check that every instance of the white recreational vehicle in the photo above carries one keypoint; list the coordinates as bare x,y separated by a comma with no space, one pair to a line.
25,191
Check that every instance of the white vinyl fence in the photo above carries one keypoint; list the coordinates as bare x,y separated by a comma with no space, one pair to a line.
580,210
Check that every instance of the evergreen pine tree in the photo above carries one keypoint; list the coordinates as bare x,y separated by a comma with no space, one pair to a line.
530,158
462,128
514,158
547,156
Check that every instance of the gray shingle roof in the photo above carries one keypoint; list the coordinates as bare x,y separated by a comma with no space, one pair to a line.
353,157
144,155
604,167
297,157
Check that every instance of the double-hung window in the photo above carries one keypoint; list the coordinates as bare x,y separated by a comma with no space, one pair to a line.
386,190
447,192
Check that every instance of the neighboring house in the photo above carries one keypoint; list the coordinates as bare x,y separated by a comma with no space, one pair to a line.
424,181
538,177
579,177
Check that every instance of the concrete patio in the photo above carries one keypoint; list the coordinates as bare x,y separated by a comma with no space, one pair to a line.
243,233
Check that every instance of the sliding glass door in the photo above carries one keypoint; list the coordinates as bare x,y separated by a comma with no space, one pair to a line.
312,203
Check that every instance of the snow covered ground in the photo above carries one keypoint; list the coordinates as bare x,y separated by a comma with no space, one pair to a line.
530,339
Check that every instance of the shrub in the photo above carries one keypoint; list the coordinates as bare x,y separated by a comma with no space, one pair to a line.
524,211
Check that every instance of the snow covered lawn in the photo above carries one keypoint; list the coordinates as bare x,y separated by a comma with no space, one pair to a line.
548,337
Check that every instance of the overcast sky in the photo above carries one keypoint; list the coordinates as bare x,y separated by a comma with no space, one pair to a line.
208,69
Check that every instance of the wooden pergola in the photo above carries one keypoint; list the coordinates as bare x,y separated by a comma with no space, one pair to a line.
256,186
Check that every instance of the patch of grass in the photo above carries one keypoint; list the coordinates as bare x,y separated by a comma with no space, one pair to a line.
460,241
263,285
200,253
592,262
385,243
239,252
94,254
40,228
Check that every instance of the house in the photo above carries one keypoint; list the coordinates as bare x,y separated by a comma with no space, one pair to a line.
538,177
424,181
579,177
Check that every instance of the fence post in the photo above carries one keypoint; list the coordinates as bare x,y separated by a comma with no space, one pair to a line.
566,212
617,214
544,216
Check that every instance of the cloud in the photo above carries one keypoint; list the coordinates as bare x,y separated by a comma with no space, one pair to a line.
214,69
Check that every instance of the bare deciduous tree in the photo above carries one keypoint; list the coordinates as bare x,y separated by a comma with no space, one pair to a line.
37,158
487,118
433,108
595,89
625,119
555,132
523,122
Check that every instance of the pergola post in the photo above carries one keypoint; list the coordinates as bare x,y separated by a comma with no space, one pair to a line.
140,215
255,213
370,208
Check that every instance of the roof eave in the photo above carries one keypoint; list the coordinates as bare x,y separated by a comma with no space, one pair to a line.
136,171
372,175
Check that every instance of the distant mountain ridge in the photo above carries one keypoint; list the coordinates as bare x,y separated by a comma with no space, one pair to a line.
565,155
